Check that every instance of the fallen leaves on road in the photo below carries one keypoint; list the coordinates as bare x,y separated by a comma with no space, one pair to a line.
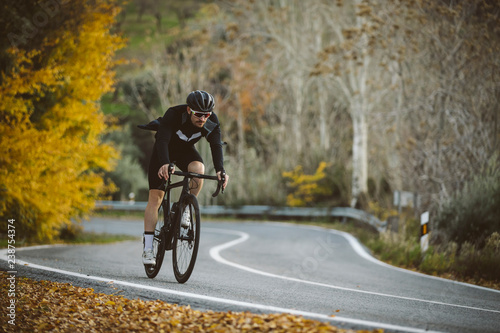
44,306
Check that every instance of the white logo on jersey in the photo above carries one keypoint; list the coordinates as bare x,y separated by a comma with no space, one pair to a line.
183,136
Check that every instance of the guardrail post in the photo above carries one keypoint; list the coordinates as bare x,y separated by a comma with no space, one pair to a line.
424,231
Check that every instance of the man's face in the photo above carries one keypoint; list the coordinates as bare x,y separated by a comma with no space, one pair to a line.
198,118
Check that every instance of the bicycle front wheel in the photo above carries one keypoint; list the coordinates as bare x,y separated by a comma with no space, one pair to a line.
159,242
186,238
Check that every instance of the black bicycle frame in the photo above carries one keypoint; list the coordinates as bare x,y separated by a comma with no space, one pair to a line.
169,186
184,183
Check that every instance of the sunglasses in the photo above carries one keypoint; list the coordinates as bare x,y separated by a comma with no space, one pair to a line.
201,114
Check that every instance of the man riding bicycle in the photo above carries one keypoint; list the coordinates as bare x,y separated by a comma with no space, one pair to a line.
177,132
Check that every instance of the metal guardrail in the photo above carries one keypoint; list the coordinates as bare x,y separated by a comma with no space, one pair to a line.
268,211
121,205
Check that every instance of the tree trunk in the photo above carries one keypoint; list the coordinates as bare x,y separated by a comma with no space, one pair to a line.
359,153
297,88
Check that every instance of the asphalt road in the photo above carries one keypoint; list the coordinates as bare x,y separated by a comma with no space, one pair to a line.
274,267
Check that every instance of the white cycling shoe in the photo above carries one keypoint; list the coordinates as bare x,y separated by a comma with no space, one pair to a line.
148,258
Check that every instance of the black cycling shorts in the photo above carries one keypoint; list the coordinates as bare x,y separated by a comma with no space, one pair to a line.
182,156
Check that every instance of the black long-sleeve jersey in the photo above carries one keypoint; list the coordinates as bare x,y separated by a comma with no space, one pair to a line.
176,130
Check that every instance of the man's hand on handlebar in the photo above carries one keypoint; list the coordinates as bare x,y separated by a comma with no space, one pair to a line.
221,175
165,171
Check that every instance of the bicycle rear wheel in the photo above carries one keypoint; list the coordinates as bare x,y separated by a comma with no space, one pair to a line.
186,240
159,242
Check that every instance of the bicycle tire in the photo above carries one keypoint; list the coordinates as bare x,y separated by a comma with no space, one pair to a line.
186,240
159,242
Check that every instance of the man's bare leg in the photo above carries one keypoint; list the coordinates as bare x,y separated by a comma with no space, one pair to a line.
150,218
196,183
151,213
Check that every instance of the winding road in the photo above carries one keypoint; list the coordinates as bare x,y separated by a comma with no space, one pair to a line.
273,267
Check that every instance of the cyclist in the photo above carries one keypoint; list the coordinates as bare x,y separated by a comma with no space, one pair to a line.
177,132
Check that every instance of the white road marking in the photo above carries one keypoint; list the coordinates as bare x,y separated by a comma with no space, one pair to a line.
259,307
358,248
215,254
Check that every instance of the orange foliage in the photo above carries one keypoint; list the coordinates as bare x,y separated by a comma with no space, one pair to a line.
251,98
45,306
51,155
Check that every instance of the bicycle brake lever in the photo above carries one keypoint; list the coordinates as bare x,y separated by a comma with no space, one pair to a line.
216,193
171,167
219,185
222,180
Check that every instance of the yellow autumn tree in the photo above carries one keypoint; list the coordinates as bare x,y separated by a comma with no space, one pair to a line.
306,189
51,154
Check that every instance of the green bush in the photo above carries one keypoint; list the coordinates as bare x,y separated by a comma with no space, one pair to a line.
467,261
397,250
480,263
473,214
437,261
490,259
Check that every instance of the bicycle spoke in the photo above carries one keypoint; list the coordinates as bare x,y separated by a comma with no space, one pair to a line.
184,250
186,242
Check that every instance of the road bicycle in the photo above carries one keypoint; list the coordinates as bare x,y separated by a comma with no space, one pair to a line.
169,232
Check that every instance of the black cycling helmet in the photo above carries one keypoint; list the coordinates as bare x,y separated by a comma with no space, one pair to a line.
200,100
